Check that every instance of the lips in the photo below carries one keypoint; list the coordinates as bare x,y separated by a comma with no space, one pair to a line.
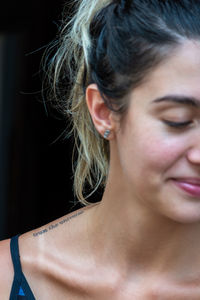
189,185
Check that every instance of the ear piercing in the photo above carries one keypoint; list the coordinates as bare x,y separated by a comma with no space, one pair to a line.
106,134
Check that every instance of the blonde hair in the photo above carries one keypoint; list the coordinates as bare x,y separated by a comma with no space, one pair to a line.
71,57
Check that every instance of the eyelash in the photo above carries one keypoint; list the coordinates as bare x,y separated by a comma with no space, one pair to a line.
177,125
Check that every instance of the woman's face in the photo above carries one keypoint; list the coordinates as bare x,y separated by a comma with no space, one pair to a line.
158,143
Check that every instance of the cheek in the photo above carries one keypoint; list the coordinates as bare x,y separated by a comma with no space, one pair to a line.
158,152
154,151
147,149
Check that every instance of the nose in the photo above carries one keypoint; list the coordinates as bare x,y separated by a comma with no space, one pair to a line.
193,154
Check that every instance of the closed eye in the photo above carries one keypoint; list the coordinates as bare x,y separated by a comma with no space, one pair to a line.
178,125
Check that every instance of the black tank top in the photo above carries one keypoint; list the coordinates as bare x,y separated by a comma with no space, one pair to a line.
20,287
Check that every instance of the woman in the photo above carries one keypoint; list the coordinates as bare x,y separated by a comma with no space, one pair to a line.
135,106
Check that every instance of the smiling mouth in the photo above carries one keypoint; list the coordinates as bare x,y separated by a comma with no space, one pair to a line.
190,186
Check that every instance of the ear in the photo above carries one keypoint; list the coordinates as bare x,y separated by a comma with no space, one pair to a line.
101,115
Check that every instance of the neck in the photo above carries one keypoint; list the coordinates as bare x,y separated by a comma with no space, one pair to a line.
130,238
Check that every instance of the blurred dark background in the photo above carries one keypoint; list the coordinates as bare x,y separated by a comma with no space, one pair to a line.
35,171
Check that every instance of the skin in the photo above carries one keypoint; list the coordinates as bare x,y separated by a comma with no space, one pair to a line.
142,240
157,224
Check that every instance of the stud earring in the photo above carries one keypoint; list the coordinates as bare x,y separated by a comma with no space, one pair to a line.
106,134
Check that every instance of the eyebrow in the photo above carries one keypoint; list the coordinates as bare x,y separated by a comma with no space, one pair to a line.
180,99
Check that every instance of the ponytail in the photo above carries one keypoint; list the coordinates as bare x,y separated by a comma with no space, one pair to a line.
91,152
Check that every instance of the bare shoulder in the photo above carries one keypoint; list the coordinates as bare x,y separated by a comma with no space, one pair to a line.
53,234
49,254
65,226
6,269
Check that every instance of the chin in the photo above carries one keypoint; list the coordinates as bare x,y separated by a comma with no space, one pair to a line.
189,215
178,206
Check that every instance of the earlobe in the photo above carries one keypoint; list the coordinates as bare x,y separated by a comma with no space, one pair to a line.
100,113
106,133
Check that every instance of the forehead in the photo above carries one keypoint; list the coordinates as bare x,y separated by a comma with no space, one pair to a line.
178,74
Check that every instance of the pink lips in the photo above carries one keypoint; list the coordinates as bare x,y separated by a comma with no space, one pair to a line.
189,185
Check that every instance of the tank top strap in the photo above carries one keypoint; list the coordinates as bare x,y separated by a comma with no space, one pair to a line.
20,288
14,249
